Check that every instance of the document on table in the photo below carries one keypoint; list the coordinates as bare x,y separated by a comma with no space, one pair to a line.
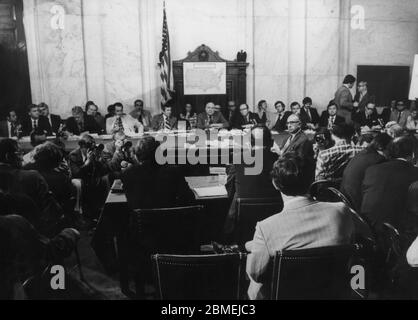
209,192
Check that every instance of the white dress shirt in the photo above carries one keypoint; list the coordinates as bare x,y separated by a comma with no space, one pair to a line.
129,124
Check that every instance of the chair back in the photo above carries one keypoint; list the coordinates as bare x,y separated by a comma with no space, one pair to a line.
318,273
251,211
319,190
199,277
167,230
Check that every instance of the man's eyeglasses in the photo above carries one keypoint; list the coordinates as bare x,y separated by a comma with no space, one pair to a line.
292,122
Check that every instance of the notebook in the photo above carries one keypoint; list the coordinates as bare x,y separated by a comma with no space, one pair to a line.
209,192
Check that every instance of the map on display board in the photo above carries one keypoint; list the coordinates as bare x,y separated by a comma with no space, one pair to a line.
202,78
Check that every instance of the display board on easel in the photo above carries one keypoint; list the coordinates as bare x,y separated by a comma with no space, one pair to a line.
413,91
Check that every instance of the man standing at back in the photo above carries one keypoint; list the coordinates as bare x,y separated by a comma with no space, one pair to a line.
344,99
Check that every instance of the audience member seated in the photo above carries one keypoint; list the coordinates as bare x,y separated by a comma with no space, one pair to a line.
35,122
387,111
32,184
261,115
81,123
92,110
242,185
400,114
165,120
329,117
110,111
331,163
280,117
10,127
412,121
385,186
245,118
47,160
149,185
354,173
303,223
123,122
142,115
310,113
87,164
54,120
189,115
362,97
322,141
368,119
118,153
230,112
36,139
211,119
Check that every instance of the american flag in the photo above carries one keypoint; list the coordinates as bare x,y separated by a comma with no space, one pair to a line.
165,64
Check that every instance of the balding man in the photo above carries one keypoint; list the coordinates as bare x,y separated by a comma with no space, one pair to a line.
211,118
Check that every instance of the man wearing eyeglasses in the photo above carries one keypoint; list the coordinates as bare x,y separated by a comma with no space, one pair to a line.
362,96
400,114
368,118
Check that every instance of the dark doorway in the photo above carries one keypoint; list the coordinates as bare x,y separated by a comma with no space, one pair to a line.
386,83
14,80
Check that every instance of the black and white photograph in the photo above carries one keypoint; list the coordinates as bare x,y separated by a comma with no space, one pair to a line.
198,156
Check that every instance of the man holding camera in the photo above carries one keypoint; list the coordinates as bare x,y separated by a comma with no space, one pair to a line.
88,165
118,154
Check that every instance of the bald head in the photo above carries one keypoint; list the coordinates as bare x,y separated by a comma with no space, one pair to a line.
210,108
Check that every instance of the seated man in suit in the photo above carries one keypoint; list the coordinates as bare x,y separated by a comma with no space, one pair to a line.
32,184
329,117
362,97
81,123
87,163
385,185
92,110
241,185
303,223
244,119
211,119
149,185
331,163
165,120
10,127
230,111
354,172
53,119
279,121
368,119
123,122
311,115
400,114
35,122
142,115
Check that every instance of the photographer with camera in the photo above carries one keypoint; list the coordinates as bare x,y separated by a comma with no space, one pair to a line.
119,154
87,164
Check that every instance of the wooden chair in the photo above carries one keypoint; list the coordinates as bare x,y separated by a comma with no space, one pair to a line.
318,273
251,211
319,189
199,277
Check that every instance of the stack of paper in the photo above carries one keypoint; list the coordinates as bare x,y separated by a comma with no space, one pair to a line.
208,192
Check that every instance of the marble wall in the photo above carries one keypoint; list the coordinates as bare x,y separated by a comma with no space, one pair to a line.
108,49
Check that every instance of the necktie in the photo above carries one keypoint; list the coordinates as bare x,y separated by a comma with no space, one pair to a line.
167,124
13,132
210,120
399,116
308,112
35,125
119,125
331,122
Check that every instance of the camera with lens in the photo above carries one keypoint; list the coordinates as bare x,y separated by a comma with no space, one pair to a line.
126,146
320,139
97,148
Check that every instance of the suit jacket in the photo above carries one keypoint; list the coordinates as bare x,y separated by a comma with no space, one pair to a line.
364,101
90,125
385,190
241,185
281,124
239,121
300,145
354,174
385,115
154,186
344,101
360,120
145,117
394,116
43,125
55,122
130,125
217,118
90,173
323,122
314,118
4,129
303,223
157,122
